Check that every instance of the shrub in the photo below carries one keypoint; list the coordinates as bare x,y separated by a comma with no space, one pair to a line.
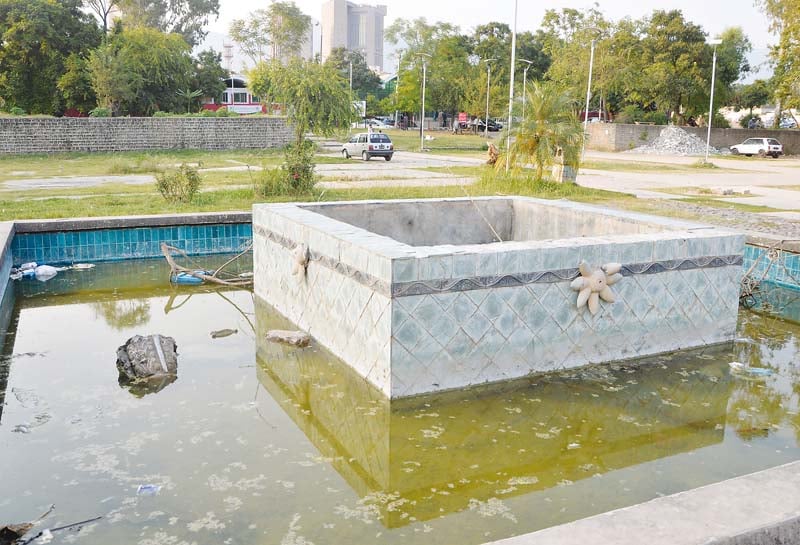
720,121
629,114
658,118
295,176
100,112
273,182
16,110
179,186
163,114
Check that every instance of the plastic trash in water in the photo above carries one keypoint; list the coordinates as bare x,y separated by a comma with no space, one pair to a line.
45,272
28,266
82,266
747,370
187,279
148,490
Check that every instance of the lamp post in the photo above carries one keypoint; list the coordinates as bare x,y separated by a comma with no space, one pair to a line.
397,89
588,97
511,88
715,43
424,57
525,85
488,90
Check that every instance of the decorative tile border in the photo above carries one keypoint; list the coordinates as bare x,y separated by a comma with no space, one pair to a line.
408,289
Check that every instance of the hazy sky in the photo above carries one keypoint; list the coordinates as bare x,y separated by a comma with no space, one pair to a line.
713,15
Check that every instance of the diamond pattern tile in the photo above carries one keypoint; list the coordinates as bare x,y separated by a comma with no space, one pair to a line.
490,335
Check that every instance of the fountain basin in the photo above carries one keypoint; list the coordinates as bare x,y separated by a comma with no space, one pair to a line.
426,295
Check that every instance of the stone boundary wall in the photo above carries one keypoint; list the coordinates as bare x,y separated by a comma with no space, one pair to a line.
53,135
623,137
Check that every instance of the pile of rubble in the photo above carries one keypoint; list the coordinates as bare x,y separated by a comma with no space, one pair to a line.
675,141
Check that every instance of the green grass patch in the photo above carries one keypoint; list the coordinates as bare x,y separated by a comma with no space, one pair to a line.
138,200
121,163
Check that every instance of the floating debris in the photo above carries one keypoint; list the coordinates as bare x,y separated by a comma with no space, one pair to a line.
222,333
148,490
752,371
188,278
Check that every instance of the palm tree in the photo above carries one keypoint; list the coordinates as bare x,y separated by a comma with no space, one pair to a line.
550,124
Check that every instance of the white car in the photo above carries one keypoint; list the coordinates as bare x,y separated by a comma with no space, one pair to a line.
369,145
758,146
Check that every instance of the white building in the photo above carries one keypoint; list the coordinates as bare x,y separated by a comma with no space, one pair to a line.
355,27
236,98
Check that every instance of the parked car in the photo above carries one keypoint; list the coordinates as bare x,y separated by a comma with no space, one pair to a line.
758,146
494,126
369,145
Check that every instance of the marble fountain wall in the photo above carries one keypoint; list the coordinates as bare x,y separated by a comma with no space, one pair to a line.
426,295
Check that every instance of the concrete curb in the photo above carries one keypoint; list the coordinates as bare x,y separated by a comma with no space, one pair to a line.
760,508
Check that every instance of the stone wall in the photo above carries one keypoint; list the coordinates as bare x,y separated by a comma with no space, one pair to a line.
622,137
53,135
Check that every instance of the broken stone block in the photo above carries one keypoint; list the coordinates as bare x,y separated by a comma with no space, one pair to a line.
147,364
294,338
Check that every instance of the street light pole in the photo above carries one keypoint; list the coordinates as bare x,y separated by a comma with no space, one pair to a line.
525,85
422,116
511,88
588,97
397,89
715,43
488,90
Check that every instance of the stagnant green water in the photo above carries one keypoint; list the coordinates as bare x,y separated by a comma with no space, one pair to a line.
260,444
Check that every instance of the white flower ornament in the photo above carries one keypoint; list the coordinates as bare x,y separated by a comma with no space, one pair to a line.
595,285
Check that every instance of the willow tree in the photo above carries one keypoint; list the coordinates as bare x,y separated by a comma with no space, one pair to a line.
550,127
317,100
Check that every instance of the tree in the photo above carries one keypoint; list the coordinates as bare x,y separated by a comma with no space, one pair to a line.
317,99
784,18
185,17
103,10
752,95
418,35
671,50
365,81
316,96
36,39
209,75
550,124
277,32
76,85
139,71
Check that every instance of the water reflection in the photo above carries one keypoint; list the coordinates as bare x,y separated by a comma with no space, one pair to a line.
440,454
124,313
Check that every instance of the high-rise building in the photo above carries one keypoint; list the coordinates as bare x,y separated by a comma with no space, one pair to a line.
355,27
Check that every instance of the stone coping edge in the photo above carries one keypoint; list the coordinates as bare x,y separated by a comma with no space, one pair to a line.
129,222
759,508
